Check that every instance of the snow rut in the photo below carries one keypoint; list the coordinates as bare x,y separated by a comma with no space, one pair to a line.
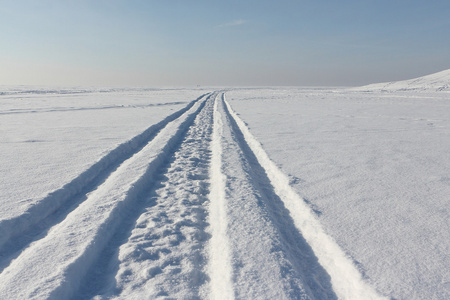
198,212
270,259
16,233
324,269
164,252
74,244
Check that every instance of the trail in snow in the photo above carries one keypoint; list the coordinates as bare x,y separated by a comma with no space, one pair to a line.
74,244
267,252
347,282
18,232
164,253
195,210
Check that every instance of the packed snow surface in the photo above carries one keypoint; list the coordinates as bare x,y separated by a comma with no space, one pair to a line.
258,193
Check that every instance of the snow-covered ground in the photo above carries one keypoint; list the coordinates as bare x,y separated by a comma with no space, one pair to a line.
267,193
50,136
375,167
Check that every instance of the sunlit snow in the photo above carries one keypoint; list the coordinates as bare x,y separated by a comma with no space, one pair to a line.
280,193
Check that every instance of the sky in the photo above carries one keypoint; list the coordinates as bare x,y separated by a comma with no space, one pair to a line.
221,43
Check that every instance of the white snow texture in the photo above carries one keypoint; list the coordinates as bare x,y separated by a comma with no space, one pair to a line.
244,193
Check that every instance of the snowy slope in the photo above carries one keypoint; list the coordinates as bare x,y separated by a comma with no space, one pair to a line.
434,82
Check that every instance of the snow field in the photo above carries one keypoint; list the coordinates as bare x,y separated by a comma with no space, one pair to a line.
19,225
56,142
373,168
345,278
76,242
191,208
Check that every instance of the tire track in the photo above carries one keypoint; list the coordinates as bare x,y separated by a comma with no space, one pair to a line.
18,232
75,244
270,259
343,275
162,250
199,211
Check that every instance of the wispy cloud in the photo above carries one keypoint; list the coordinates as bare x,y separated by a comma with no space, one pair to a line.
232,23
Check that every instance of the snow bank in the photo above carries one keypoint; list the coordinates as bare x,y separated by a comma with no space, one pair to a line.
435,82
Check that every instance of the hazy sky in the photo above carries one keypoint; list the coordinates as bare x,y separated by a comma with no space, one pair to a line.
228,42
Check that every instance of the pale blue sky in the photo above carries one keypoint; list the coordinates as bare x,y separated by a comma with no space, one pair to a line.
181,43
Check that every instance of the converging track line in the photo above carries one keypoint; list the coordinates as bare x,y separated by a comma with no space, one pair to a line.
193,208
159,249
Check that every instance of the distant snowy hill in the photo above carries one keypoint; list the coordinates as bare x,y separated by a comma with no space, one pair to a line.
435,82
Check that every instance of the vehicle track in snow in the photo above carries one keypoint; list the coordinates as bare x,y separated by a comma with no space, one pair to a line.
161,249
197,212
18,232
74,244
265,246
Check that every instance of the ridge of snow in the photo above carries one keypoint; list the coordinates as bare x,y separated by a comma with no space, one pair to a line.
219,265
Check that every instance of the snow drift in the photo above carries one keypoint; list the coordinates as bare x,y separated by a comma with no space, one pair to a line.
439,81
